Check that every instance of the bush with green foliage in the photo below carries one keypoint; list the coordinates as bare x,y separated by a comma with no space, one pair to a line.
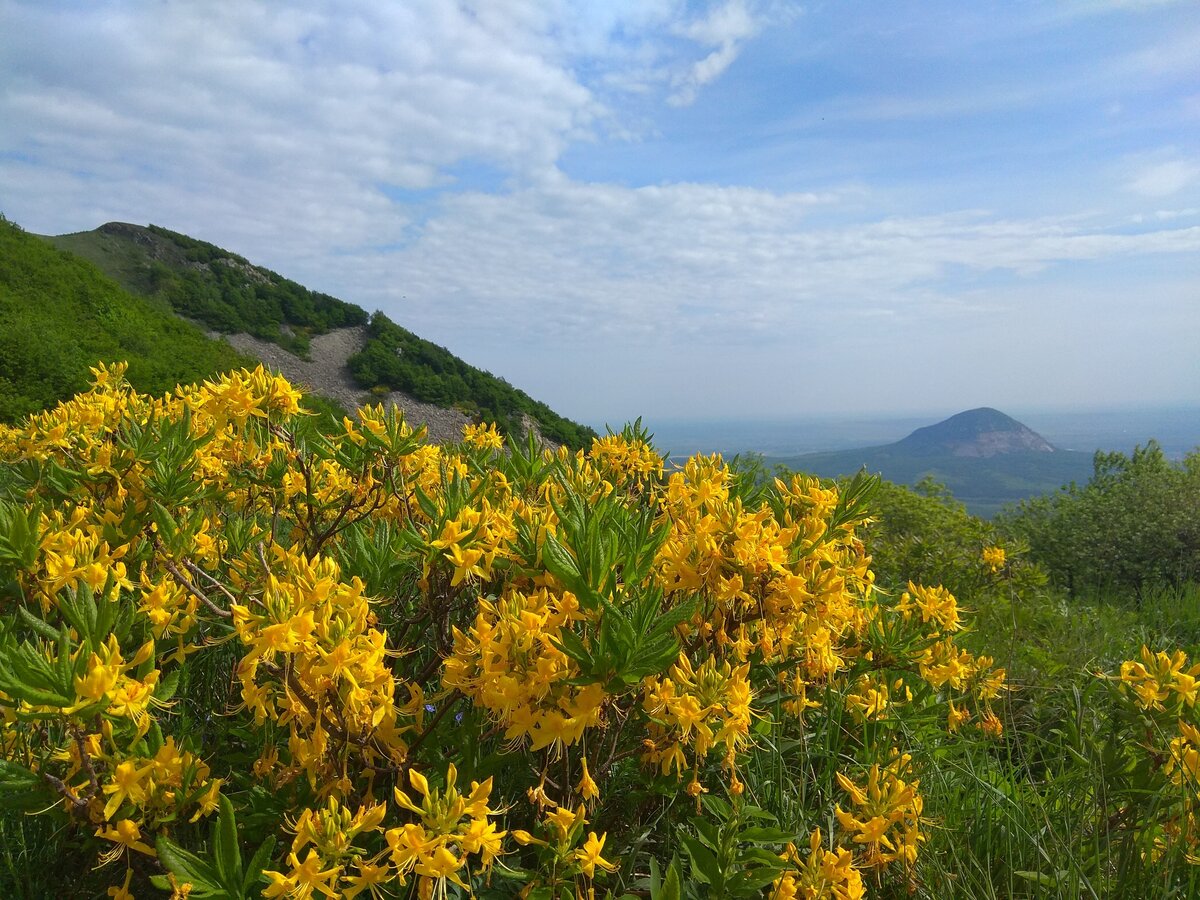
228,294
1135,526
244,655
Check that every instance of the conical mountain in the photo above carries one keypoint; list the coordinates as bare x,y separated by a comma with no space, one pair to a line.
982,432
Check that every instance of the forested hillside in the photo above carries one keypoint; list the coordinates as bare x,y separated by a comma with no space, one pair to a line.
59,315
213,286
396,358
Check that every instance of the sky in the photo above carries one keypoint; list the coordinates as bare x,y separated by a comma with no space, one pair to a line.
727,210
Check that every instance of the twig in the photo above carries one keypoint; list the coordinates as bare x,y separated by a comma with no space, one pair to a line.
196,570
195,591
438,716
78,804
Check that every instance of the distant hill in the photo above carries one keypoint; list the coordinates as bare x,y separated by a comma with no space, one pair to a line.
59,315
977,433
229,294
986,458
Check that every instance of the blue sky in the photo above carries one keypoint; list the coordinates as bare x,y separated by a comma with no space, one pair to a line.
680,210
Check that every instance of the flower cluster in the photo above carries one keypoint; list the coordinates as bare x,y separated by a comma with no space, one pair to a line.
823,875
449,832
885,814
314,664
994,558
509,664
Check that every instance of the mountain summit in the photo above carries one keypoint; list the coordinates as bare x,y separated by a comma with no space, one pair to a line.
982,432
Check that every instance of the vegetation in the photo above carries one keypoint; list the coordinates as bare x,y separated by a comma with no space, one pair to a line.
242,656
215,287
1135,526
397,359
59,315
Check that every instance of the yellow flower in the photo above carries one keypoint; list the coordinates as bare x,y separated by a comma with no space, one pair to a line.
564,819
484,436
589,856
127,784
994,558
955,717
126,835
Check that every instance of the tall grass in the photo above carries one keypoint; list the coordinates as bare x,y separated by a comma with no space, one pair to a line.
1045,811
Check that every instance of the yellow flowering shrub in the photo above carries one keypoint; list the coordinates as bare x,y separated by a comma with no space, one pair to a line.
218,617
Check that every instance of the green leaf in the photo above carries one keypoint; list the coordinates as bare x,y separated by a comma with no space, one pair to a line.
168,527
187,866
759,835
168,686
705,868
708,834
562,565
570,643
258,862
225,844
39,627
22,790
671,889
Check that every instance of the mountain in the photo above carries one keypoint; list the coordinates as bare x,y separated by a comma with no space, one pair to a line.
333,347
978,433
986,458
59,315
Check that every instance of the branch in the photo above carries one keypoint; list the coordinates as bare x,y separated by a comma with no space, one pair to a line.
195,591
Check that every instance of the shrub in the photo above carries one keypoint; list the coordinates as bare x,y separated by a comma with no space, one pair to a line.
434,669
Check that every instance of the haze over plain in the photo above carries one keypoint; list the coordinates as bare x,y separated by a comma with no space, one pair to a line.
732,209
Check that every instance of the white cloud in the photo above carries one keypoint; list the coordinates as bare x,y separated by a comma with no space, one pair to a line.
725,29
302,114
1165,178
687,264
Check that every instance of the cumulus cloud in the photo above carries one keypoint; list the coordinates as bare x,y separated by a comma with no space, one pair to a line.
692,264
307,113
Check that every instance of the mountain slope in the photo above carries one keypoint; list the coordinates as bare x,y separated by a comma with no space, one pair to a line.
212,286
59,315
986,458
229,294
